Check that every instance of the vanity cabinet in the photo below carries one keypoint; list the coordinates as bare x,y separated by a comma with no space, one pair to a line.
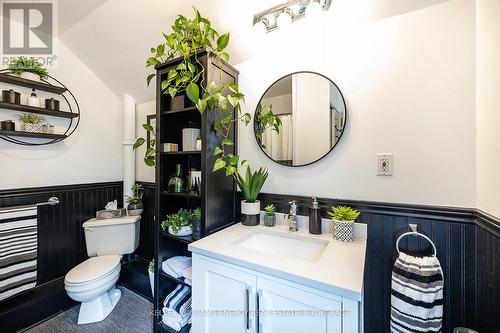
229,299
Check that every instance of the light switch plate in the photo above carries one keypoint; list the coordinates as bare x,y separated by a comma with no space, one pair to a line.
385,164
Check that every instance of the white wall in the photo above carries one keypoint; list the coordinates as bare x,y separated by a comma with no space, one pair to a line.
488,106
92,154
409,83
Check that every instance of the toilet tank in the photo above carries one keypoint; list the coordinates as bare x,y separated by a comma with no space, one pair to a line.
112,236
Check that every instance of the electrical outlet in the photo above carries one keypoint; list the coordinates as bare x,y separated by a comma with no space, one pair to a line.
384,164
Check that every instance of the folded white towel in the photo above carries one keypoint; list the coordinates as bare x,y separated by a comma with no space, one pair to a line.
175,325
175,265
188,273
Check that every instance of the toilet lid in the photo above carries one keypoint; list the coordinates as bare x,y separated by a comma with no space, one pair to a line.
93,269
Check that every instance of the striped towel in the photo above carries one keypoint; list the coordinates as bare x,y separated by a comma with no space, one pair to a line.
177,306
416,295
18,250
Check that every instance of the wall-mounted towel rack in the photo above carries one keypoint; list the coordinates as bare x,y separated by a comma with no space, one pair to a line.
414,232
52,201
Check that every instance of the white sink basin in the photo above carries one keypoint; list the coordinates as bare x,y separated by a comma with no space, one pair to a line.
285,245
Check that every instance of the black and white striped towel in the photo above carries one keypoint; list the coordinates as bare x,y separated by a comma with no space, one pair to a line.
416,295
18,250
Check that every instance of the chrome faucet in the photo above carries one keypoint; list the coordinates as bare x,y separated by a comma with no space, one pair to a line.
292,217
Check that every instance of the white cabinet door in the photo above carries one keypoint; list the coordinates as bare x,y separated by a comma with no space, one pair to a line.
224,298
285,308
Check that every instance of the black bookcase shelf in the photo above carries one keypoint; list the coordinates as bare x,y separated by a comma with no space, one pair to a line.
217,198
38,85
171,278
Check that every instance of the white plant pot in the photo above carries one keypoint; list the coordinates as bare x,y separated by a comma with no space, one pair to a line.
152,282
183,231
250,213
30,76
32,128
343,231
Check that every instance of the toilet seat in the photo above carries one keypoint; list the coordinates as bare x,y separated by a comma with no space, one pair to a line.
94,271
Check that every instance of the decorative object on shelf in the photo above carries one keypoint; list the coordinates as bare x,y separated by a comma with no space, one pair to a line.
151,273
180,223
28,68
270,216
11,96
7,125
288,12
197,223
31,123
52,104
170,147
343,218
318,111
194,181
33,100
110,213
177,103
175,182
135,205
42,137
189,136
48,128
250,186
198,144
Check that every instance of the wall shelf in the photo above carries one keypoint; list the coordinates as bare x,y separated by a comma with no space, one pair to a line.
38,85
73,114
34,135
181,152
183,239
189,108
181,195
38,110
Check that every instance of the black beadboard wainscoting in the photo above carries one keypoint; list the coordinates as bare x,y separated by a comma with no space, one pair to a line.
468,247
61,246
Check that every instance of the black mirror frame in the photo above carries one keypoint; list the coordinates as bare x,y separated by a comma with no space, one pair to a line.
328,152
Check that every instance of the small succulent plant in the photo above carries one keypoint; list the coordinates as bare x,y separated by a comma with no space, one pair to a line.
343,213
270,210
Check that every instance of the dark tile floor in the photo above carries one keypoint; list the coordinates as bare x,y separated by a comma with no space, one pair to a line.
131,314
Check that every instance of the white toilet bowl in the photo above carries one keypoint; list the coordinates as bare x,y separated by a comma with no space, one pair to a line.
93,281
93,284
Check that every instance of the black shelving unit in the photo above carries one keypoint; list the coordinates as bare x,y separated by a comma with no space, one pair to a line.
73,115
217,198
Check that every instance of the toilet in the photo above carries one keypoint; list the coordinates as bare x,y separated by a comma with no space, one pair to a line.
93,281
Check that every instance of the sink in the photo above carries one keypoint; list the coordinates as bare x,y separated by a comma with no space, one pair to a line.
285,245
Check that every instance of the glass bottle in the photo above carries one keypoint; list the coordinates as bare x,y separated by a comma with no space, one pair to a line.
175,182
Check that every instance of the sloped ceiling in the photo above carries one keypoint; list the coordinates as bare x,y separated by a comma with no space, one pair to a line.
113,37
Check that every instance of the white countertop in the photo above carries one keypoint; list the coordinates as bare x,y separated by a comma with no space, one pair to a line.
339,270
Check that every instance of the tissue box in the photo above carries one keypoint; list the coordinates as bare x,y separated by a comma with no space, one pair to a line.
111,214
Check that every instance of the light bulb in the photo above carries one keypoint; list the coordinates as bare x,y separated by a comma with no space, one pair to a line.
284,19
261,26
313,9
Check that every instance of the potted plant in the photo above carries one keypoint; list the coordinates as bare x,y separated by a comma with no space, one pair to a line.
343,222
28,68
31,123
135,206
197,223
151,273
250,186
180,223
269,216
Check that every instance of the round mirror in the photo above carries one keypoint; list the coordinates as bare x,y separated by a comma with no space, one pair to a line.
300,118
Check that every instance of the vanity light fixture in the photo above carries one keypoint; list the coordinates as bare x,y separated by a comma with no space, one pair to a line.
288,12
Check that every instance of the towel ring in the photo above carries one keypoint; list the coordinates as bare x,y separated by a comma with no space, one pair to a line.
414,232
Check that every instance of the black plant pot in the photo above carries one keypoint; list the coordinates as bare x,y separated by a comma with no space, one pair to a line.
250,213
269,220
135,209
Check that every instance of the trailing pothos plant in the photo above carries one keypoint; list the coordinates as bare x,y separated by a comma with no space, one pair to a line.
188,38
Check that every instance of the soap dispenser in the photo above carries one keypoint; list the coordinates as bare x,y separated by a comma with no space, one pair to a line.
33,99
314,218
